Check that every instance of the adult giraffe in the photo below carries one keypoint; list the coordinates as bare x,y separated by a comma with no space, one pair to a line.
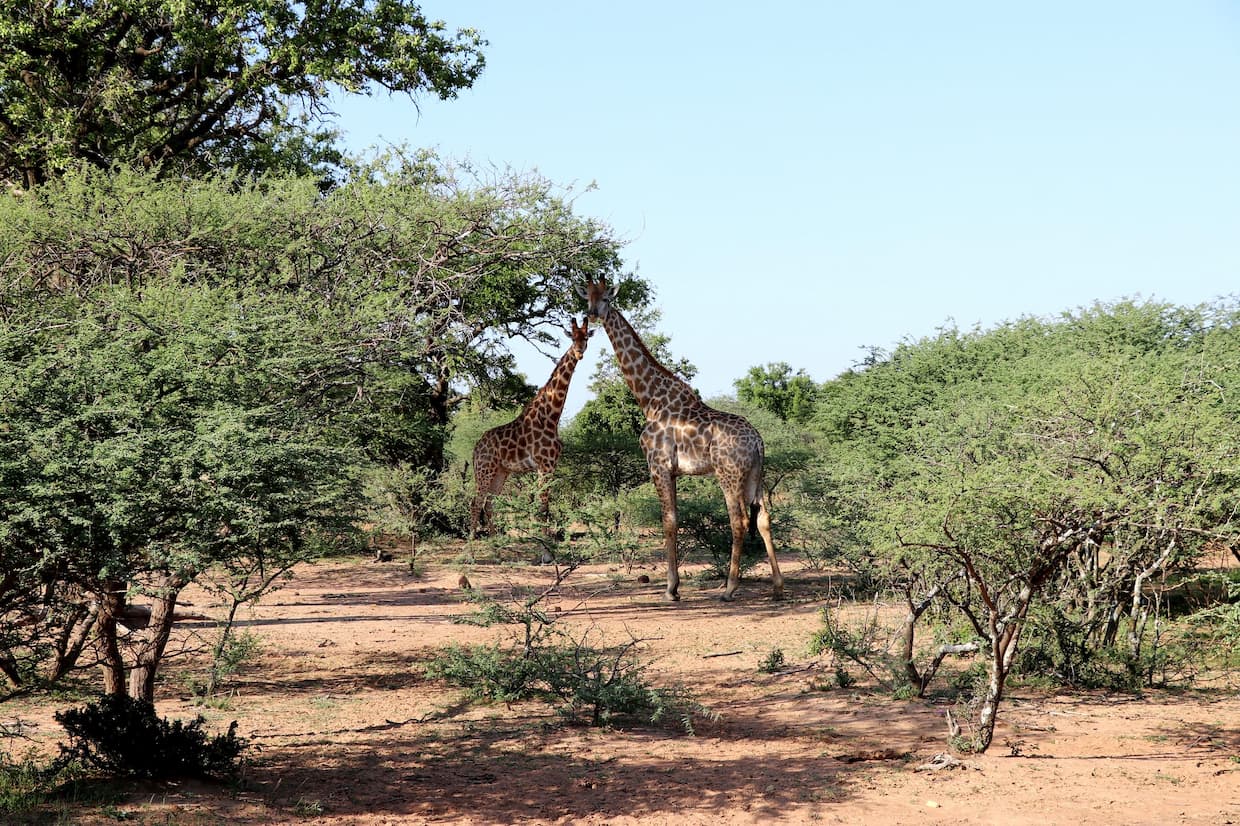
530,442
685,437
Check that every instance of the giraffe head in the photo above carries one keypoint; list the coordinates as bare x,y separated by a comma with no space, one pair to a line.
580,335
598,298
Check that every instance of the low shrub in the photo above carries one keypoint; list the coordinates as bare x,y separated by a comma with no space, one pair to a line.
124,737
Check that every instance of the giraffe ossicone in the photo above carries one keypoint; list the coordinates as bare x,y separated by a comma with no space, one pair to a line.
529,443
684,436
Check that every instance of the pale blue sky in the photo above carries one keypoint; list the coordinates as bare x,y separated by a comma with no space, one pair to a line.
802,180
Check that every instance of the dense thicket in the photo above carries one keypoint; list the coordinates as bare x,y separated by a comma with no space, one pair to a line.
200,372
1069,461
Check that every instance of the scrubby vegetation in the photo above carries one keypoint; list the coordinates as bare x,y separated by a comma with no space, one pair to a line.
226,349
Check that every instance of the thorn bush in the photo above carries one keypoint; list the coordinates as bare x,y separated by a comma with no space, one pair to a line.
124,737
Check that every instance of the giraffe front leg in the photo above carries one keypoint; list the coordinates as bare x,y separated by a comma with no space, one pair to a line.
476,507
665,486
544,514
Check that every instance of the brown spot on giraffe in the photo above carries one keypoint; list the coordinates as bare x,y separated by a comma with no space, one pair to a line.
530,442
685,437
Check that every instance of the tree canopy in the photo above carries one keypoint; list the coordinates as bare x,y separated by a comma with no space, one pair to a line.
199,86
1086,453
200,371
776,388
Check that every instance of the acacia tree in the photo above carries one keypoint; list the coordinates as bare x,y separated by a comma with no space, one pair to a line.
197,86
147,436
790,396
195,372
434,266
985,465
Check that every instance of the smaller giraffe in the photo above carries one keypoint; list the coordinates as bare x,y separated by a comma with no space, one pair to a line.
530,442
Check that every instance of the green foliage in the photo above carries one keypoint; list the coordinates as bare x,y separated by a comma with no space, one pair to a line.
1075,460
123,737
602,455
490,673
232,654
411,501
606,683
415,273
609,685
147,435
1057,648
773,662
774,388
27,783
203,372
861,642
200,86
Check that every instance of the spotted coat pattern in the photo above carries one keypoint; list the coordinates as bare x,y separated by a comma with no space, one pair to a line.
529,443
685,437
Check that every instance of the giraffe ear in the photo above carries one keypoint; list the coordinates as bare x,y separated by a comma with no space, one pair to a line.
581,291
612,291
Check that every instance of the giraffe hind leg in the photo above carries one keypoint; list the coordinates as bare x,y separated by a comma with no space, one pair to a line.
737,520
760,522
489,481
763,521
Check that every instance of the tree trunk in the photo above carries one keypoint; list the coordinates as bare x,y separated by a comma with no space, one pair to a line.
907,640
1139,611
939,656
151,650
441,415
1004,639
908,633
988,714
8,667
111,604
72,641
1001,655
213,681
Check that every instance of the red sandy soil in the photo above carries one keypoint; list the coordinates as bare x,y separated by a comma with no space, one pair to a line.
345,728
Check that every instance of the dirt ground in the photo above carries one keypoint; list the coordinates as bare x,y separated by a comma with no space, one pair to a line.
345,728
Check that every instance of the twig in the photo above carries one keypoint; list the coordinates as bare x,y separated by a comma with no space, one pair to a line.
722,654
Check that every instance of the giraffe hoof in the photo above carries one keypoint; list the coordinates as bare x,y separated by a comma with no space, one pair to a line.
671,596
727,597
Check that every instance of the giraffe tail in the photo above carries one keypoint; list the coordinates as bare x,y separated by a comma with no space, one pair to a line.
753,495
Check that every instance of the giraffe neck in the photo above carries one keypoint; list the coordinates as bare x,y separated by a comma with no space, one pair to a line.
654,386
548,404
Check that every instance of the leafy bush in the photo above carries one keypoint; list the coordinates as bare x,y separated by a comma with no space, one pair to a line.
123,737
773,662
546,663
609,684
487,672
1056,647
606,684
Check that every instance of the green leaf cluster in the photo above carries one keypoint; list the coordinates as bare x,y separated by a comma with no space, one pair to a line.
191,87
